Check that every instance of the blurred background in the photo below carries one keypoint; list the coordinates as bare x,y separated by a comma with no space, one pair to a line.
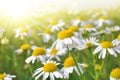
21,8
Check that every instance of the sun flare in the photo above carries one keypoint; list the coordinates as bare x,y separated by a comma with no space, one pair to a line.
16,8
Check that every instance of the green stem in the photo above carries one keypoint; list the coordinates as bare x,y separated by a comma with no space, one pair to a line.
30,69
94,63
82,78
102,65
112,34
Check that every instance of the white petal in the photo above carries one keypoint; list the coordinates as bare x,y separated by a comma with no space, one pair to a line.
39,75
111,78
57,58
33,60
103,53
112,52
57,74
76,41
36,72
19,51
76,70
52,76
29,59
45,76
99,48
39,69
117,49
69,70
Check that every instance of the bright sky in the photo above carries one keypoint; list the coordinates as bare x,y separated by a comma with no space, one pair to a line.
23,8
57,5
83,3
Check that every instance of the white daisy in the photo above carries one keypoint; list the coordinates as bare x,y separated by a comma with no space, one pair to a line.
102,20
47,35
22,33
38,53
50,70
24,47
76,31
98,13
117,41
99,33
113,29
66,39
54,53
4,40
69,66
6,76
115,74
78,22
106,46
56,25
87,43
88,28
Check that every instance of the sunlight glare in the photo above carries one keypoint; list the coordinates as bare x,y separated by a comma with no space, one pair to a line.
16,8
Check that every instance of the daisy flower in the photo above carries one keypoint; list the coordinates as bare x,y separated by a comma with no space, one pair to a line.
99,12
66,39
115,74
6,76
50,70
98,33
78,21
4,40
113,29
87,43
105,46
24,47
76,31
21,33
117,41
38,53
88,28
47,35
54,53
69,66
102,20
56,25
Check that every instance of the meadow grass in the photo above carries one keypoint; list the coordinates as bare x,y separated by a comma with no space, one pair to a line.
12,63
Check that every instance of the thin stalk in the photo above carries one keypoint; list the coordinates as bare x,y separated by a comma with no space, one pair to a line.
82,78
93,62
30,69
102,65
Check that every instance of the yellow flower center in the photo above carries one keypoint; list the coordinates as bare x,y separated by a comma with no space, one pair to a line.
25,47
23,30
73,28
38,51
53,22
53,51
87,26
50,67
115,73
65,34
89,44
69,62
80,18
48,31
106,44
118,37
103,17
97,67
2,76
